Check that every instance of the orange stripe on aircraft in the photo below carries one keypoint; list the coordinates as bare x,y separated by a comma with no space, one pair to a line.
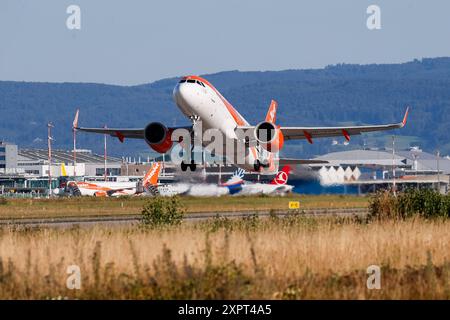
240,121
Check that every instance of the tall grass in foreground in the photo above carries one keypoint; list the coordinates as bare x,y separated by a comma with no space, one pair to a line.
411,203
282,258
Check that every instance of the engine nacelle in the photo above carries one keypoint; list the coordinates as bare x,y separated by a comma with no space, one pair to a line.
158,137
269,136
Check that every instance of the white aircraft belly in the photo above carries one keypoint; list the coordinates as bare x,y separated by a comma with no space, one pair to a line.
214,114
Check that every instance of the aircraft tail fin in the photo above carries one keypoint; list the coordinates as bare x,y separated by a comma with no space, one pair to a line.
152,175
282,176
236,178
63,170
75,120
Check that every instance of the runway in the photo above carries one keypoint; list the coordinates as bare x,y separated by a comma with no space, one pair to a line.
68,222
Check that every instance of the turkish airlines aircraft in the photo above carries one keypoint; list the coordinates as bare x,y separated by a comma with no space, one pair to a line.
200,100
278,186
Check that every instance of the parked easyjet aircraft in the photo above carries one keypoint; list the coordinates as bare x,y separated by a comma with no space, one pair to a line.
113,189
199,100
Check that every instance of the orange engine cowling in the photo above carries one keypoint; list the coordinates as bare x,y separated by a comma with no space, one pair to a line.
100,194
269,136
158,137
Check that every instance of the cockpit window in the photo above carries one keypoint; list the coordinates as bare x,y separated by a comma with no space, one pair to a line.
191,81
200,83
182,81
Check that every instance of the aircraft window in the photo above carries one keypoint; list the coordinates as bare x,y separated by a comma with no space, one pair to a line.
200,83
191,81
182,81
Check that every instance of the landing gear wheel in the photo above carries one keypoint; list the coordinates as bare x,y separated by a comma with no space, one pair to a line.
193,166
183,166
257,166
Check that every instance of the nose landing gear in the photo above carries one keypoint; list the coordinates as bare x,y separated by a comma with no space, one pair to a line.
258,165
192,166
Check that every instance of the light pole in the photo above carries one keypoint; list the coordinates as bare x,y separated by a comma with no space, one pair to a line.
438,171
394,187
49,140
106,156
74,130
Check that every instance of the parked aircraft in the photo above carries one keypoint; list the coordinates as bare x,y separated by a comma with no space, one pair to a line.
181,188
234,186
278,186
113,189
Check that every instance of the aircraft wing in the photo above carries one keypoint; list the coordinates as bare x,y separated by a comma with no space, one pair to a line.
309,133
287,161
120,133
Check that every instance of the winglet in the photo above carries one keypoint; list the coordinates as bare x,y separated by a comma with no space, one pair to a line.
405,117
75,120
120,136
272,112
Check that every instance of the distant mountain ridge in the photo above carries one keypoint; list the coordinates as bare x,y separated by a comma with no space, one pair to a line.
335,95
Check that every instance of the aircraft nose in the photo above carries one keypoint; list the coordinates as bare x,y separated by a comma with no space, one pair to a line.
182,94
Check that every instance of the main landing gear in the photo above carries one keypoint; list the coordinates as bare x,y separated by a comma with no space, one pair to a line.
192,166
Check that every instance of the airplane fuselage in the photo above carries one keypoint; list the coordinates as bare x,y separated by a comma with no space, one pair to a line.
197,98
113,189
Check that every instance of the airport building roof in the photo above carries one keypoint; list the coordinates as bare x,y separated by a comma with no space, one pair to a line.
63,156
414,159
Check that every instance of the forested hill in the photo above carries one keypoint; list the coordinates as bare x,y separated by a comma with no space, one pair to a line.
336,95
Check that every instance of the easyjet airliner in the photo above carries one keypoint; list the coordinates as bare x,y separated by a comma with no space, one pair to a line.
200,100
113,189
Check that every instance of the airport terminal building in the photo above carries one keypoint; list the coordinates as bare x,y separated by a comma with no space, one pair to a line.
8,157
27,170
35,162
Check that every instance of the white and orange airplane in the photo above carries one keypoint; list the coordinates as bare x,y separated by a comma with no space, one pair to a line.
200,100
114,189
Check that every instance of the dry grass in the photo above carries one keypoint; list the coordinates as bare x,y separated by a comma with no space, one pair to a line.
90,206
288,258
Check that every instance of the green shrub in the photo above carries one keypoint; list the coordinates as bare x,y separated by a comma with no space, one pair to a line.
161,211
413,202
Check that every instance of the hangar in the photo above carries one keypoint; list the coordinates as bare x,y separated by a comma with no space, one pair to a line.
369,169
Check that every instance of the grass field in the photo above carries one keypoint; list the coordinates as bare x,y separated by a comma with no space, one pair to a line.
90,206
277,258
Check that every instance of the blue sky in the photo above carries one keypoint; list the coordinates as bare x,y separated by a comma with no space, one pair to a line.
133,42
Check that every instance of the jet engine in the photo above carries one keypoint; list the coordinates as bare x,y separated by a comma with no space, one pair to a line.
158,137
269,136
